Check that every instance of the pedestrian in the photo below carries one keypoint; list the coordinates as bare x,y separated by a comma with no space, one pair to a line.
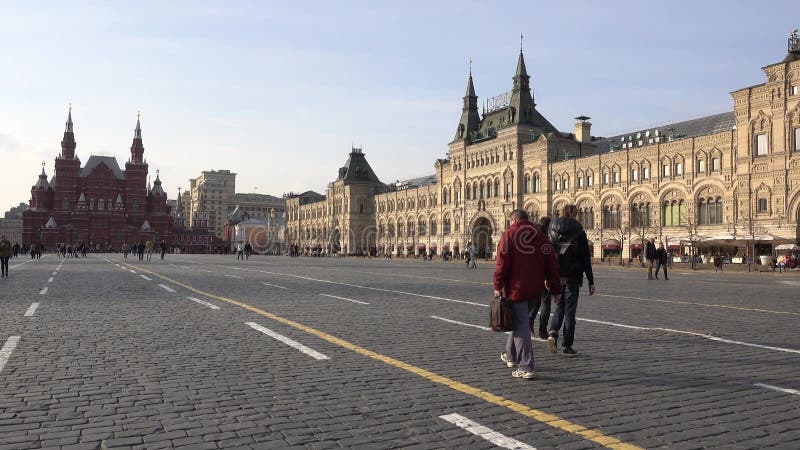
525,261
163,249
717,263
543,307
248,249
661,260
472,256
125,250
574,260
5,254
239,251
15,250
140,250
149,246
650,256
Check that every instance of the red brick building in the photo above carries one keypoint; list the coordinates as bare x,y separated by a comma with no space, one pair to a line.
98,203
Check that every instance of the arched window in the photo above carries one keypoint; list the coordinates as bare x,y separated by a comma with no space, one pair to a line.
566,183
497,187
421,228
475,191
702,212
537,183
701,166
446,226
527,184
433,226
483,190
469,191
716,165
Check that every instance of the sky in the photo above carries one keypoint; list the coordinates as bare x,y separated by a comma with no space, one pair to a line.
279,92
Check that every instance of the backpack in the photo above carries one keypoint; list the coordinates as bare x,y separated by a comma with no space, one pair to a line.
566,249
501,316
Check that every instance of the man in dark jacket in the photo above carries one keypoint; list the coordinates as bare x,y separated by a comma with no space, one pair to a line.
525,260
650,256
572,249
544,312
661,260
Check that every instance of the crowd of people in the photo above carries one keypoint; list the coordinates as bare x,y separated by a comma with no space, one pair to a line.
538,265
144,250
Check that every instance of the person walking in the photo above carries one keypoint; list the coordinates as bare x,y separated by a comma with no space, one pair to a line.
717,263
5,254
574,260
650,256
15,250
543,307
163,249
125,250
239,251
661,260
473,252
149,248
140,250
525,261
248,249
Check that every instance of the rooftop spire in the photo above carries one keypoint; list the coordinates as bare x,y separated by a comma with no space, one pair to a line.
137,133
68,142
68,128
137,148
470,119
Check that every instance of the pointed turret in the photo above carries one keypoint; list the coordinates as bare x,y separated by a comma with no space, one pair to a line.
470,119
42,184
521,99
137,147
68,142
157,189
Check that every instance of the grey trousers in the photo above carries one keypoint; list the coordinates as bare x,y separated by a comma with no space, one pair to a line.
518,344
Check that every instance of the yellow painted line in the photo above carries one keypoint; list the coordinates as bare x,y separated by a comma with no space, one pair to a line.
549,419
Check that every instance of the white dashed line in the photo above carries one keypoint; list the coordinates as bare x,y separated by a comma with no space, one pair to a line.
117,265
232,276
5,352
291,343
203,302
779,389
131,271
462,323
146,277
31,310
274,285
490,435
50,280
343,298
55,273
166,288
43,291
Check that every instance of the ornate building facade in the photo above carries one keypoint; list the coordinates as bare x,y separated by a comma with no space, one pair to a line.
98,203
722,179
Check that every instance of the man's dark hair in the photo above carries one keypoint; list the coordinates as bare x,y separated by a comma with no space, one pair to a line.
519,214
544,223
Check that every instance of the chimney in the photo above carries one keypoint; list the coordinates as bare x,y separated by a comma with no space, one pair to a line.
583,129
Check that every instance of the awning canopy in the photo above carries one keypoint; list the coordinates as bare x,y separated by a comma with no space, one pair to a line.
611,244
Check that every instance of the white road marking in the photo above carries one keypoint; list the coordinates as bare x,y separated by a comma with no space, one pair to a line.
779,389
462,323
146,277
790,283
5,352
291,343
17,265
692,333
55,273
166,288
342,298
490,435
232,276
43,291
203,302
117,265
131,271
364,287
274,285
50,280
707,305
31,310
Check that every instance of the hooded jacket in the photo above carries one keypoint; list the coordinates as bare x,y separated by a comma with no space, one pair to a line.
564,232
524,261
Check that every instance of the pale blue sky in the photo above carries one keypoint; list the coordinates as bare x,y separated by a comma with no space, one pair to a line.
278,91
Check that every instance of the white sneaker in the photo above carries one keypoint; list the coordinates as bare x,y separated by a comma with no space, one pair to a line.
524,374
551,344
504,358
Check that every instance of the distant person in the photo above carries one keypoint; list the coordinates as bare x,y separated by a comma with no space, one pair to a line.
239,251
717,263
650,256
662,259
140,250
543,307
248,250
163,249
5,254
574,260
473,253
15,250
125,250
525,261
149,248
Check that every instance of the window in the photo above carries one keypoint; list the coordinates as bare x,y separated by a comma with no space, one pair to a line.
635,174
616,176
101,204
795,90
762,142
797,139
673,213
605,178
646,173
446,226
590,180
762,205
537,183
566,184
65,203
665,170
497,188
580,182
679,169
715,165
558,185
527,184
701,166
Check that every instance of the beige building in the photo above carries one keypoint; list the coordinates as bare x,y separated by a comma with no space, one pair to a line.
718,181
12,230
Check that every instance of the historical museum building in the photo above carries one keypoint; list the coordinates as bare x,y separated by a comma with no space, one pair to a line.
98,203
717,180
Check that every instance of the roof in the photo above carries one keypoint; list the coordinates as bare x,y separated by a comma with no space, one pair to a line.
258,198
690,128
95,161
416,182
357,169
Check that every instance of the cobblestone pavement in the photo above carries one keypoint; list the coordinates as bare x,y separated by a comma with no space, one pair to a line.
207,352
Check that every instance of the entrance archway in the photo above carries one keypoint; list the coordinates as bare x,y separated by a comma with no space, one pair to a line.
482,237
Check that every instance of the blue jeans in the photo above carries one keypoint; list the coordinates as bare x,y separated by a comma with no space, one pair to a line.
565,311
518,345
543,308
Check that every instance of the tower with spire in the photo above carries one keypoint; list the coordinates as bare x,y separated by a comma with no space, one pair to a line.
470,119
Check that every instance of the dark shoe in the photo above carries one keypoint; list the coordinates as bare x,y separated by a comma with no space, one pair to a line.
569,351
666,279
543,335
552,344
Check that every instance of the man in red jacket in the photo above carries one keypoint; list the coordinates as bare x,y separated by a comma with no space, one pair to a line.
525,261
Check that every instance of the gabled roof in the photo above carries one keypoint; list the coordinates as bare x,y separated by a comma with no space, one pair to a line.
95,161
416,182
689,128
357,169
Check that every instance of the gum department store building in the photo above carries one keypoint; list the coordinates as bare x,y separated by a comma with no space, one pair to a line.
719,180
